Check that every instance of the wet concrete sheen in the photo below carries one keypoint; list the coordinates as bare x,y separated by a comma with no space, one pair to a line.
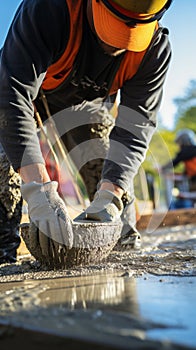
142,299
114,309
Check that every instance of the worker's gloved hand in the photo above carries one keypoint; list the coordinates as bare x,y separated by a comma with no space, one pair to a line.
48,212
105,207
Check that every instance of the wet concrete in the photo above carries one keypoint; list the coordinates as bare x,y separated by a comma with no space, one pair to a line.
92,243
135,300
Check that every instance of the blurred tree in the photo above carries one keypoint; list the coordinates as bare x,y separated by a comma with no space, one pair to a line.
186,108
187,120
162,149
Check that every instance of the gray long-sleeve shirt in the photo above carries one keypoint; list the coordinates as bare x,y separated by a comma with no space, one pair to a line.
36,39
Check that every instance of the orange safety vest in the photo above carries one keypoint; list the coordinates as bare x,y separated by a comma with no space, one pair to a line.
190,166
60,70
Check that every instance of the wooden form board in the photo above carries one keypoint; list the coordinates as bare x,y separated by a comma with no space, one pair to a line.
169,218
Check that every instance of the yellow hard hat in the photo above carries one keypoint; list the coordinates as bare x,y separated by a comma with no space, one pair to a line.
128,24
142,6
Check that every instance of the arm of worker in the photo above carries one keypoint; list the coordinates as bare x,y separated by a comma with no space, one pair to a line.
35,40
135,124
32,44
181,156
169,166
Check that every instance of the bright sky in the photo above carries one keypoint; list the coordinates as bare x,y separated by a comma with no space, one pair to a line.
181,22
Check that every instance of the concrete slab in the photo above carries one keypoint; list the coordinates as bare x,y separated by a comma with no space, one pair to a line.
142,299
111,310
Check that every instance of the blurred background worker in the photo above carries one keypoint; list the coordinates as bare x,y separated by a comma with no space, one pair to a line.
186,155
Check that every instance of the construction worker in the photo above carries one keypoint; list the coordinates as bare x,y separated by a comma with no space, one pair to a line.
185,139
79,56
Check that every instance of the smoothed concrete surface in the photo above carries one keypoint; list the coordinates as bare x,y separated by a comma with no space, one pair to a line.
114,310
142,299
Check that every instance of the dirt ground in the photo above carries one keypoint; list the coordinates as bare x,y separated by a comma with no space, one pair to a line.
166,251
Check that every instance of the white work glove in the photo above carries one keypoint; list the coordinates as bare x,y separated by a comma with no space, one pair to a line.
48,212
105,207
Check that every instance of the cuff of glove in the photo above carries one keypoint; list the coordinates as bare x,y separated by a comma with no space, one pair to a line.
118,202
110,197
34,187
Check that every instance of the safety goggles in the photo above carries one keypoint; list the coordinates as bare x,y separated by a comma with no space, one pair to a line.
132,22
